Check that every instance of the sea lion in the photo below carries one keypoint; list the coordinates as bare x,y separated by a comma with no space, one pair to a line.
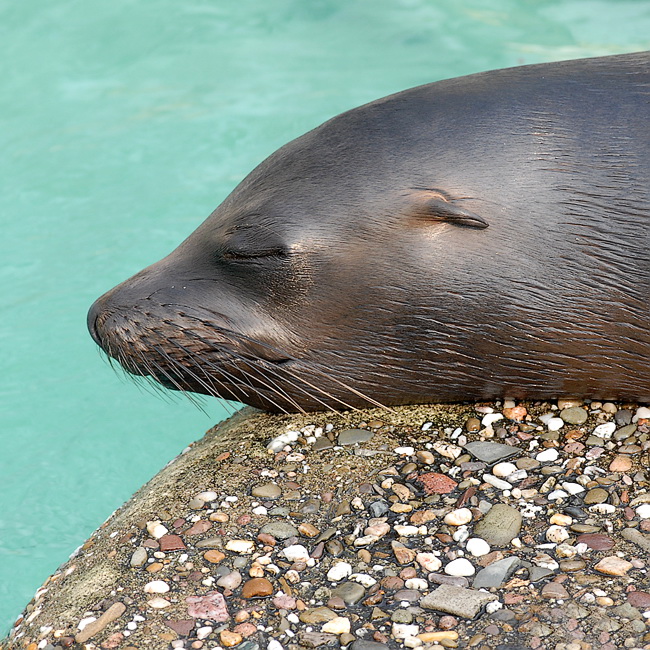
469,239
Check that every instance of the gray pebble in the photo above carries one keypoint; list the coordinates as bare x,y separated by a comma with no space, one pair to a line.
574,415
499,526
351,592
352,436
491,452
139,556
456,600
361,644
378,508
495,574
280,529
267,491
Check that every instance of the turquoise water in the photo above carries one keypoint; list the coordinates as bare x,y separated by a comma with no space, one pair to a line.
122,125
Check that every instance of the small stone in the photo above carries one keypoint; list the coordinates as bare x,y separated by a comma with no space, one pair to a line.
296,553
516,413
642,413
171,543
605,430
156,529
554,590
639,599
491,452
241,546
229,639
613,566
597,495
353,436
500,525
338,625
308,530
257,588
458,517
350,592
503,470
267,491
213,556
596,541
456,601
212,606
198,528
555,424
574,415
339,571
460,567
96,626
557,534
158,603
477,547
139,557
435,483
549,455
156,587
231,580
317,615
436,637
428,561
279,530
403,555
495,574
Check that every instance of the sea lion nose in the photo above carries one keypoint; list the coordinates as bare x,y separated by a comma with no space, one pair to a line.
93,313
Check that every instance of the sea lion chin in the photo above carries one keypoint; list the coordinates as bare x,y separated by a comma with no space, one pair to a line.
474,238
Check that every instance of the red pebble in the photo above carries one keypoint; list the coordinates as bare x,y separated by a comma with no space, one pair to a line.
434,483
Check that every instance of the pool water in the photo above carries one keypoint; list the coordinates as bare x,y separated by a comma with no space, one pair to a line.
122,125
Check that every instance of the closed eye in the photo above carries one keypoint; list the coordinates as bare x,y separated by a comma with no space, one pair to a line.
253,254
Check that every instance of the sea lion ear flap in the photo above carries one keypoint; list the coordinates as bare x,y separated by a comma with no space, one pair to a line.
432,206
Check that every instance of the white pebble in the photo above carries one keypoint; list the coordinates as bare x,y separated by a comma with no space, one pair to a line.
461,534
605,430
428,561
413,642
207,496
296,553
555,424
560,519
406,531
158,603
404,451
416,583
557,534
338,625
498,483
273,644
156,529
260,510
557,494
548,455
603,508
363,579
203,632
489,419
156,587
643,511
503,470
460,567
339,571
243,546
643,412
458,517
573,488
477,547
402,630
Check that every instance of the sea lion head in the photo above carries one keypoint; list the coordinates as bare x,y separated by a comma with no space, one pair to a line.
291,295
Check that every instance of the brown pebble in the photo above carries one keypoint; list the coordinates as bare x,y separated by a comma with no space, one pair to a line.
596,541
640,599
308,530
214,556
472,424
245,629
554,590
621,464
154,567
257,588
229,639
171,543
613,566
111,614
199,527
267,539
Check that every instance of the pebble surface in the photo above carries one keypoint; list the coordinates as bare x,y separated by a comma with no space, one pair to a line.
491,526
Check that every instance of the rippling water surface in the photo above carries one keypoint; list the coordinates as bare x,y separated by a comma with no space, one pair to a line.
122,125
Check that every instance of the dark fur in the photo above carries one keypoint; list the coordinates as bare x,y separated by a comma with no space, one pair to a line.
354,265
